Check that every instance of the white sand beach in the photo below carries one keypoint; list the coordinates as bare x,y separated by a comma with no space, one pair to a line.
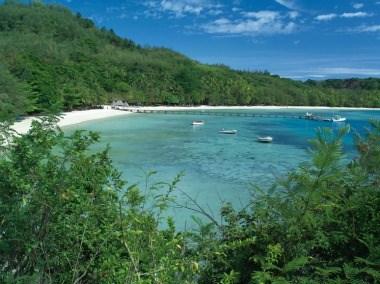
72,118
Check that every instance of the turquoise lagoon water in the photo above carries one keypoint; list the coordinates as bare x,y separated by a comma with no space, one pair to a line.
217,168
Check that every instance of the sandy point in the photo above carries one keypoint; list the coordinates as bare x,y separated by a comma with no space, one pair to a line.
72,118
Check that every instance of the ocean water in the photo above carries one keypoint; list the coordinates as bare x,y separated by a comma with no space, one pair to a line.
215,168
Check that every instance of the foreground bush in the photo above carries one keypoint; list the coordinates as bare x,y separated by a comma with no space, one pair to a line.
64,218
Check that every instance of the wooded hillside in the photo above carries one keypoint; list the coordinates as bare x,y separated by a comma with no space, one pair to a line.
52,60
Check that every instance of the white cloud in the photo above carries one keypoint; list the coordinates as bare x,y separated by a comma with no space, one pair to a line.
293,14
215,12
326,17
253,23
264,15
329,17
368,29
318,76
334,72
304,77
290,4
355,15
180,8
151,4
350,71
115,9
122,16
358,6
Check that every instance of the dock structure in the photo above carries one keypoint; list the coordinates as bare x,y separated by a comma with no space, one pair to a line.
211,113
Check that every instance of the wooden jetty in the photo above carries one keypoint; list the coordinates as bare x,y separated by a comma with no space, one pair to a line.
212,113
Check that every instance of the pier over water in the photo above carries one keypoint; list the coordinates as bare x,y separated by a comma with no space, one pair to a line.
210,113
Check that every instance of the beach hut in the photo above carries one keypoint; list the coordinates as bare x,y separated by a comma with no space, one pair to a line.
119,104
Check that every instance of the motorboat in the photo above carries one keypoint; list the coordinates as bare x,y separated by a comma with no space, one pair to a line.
335,118
338,118
265,139
309,115
198,122
228,131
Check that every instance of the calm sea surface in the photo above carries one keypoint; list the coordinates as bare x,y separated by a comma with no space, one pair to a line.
215,167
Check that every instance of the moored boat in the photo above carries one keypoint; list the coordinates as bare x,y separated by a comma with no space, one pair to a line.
198,122
308,115
338,118
265,139
228,131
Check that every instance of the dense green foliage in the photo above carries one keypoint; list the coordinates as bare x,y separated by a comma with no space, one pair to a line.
14,95
64,218
67,217
58,60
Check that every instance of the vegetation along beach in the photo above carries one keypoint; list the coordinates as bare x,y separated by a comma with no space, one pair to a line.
181,141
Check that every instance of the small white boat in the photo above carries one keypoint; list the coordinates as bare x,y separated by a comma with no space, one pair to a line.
309,115
198,122
338,118
228,131
265,139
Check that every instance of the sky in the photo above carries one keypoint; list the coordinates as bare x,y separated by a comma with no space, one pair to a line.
298,39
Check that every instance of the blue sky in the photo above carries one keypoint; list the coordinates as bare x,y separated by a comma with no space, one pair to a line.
293,38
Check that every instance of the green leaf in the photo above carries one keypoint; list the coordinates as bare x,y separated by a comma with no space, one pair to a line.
295,264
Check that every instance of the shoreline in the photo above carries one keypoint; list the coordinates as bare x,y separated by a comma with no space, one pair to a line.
71,118
79,116
205,107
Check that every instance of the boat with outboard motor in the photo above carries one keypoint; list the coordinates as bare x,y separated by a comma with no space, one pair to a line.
265,139
198,122
335,118
228,131
338,118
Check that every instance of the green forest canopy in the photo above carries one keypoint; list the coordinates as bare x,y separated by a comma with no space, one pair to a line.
53,60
